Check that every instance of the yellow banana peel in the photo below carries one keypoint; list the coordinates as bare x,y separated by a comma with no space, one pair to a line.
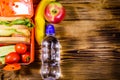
40,21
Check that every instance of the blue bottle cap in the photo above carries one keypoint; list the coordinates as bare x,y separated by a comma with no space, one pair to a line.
50,30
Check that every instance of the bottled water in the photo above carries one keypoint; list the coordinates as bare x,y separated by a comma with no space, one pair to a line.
50,72
50,55
50,47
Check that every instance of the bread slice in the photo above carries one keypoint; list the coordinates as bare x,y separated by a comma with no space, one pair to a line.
14,40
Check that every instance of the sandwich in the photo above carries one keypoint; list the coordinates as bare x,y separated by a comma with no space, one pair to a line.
15,29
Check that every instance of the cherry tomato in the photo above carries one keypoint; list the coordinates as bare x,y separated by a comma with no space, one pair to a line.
20,48
26,57
12,57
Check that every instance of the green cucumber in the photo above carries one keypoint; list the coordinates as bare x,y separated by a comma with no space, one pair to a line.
4,50
2,60
6,32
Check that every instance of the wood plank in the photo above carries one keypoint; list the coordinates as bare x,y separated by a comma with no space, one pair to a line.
90,41
86,34
91,12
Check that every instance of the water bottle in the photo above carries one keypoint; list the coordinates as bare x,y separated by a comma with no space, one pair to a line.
50,47
50,72
50,55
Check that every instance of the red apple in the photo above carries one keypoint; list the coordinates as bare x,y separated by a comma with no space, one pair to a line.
54,12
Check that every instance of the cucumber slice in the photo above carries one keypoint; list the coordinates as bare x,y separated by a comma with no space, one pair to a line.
4,50
2,60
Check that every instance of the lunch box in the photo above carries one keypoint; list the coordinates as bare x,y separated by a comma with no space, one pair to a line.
15,8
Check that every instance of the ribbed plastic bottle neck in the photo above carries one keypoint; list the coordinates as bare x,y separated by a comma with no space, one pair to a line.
50,34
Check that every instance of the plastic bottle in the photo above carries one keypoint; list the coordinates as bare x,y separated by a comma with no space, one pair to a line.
50,47
50,55
50,72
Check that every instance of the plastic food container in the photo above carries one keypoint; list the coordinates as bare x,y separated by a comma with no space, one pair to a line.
16,8
24,8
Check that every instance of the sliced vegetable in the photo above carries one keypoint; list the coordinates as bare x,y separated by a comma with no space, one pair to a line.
10,32
6,32
4,50
25,21
2,60
12,67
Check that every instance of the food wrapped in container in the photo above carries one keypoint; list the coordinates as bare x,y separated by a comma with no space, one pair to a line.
16,26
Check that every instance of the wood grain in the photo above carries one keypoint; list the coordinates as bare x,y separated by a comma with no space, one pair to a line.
90,39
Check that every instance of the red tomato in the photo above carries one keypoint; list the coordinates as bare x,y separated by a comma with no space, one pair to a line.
20,48
26,57
12,57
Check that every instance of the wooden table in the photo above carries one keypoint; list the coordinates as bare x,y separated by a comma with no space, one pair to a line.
90,39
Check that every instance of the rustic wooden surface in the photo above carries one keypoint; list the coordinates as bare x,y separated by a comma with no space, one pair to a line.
90,39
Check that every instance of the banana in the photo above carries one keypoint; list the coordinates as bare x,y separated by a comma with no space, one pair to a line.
40,21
